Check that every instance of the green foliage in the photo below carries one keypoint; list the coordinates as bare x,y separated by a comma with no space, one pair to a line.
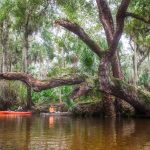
145,77
43,96
71,8
47,37
6,7
29,14
69,103
88,62
12,94
53,95
136,28
93,96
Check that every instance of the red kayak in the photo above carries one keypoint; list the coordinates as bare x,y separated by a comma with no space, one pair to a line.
15,112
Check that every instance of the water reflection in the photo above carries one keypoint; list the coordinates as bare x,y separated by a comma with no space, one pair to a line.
51,121
65,133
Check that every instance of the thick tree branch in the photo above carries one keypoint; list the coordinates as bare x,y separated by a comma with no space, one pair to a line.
120,17
76,29
81,90
128,14
39,85
105,17
137,97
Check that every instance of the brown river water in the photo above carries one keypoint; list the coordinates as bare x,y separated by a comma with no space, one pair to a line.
67,133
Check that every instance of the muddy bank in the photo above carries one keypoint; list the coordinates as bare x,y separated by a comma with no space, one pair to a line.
96,109
88,109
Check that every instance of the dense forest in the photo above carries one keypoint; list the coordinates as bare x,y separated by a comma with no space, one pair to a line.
70,52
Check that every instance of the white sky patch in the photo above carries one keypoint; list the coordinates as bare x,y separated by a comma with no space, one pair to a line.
38,38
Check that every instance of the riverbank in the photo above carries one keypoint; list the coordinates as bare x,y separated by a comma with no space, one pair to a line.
80,109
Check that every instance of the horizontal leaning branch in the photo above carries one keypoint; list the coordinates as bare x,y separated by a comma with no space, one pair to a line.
39,85
79,31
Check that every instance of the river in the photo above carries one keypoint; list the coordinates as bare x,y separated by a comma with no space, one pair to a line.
67,133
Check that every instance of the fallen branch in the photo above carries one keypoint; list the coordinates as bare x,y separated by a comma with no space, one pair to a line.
39,85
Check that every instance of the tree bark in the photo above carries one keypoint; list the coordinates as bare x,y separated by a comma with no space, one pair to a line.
117,73
108,103
81,90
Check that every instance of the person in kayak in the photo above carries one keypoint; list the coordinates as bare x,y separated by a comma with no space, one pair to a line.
19,108
51,109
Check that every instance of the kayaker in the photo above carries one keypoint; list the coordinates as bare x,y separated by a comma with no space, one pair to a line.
20,108
51,109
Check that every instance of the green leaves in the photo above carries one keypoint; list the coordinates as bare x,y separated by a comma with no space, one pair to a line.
74,9
6,7
29,14
87,60
53,95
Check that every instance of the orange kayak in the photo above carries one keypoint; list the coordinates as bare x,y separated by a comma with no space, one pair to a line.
15,112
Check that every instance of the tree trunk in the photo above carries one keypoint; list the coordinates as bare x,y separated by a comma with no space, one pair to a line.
4,66
60,96
4,43
29,97
136,97
117,73
25,54
1,58
25,68
108,103
135,69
